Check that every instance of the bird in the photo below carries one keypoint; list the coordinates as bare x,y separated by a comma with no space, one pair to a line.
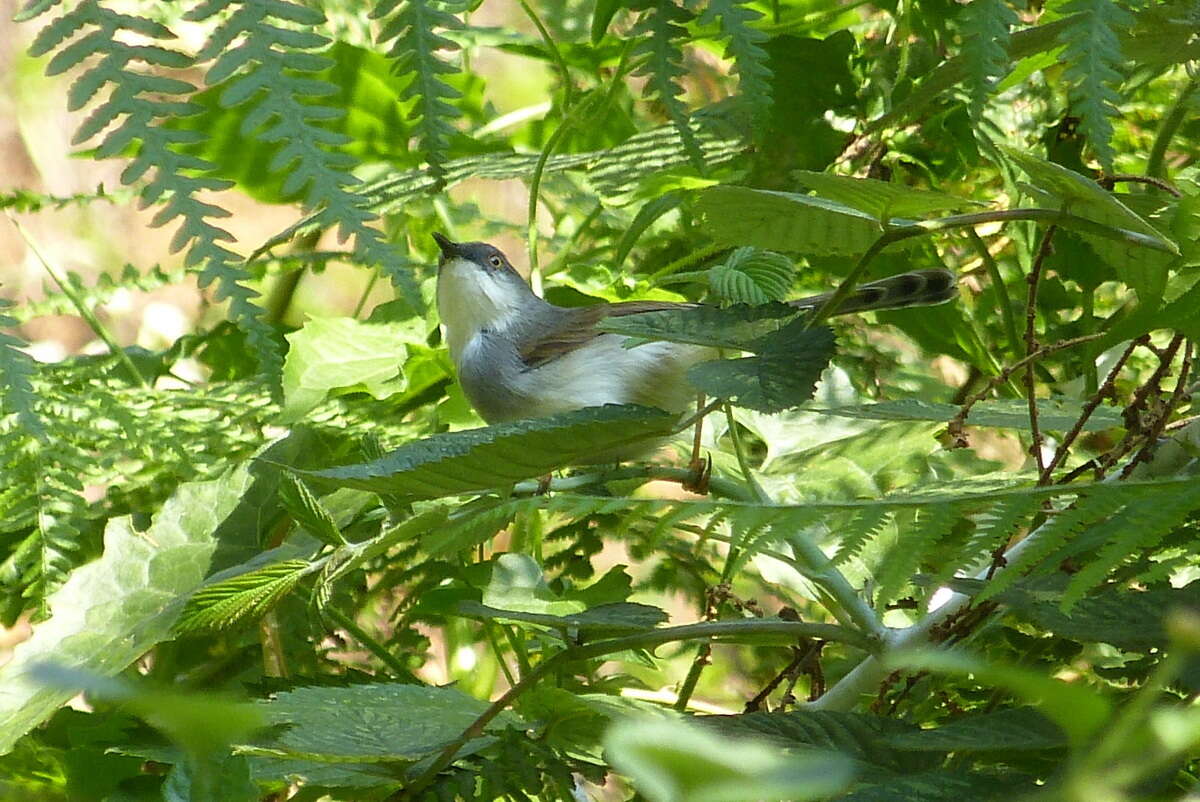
519,356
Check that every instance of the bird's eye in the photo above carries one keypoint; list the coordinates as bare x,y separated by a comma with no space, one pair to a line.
495,260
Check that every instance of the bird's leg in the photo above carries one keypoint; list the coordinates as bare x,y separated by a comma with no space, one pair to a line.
701,467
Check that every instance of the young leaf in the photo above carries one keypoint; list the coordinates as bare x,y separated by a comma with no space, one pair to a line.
753,276
481,459
342,353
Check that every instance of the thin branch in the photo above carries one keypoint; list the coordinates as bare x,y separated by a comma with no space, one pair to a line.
1060,453
1031,345
642,640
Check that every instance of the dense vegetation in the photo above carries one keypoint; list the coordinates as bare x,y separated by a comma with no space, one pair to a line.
955,558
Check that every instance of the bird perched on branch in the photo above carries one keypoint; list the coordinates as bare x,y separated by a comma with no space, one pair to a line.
519,356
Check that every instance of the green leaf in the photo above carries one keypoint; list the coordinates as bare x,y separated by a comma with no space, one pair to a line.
660,61
601,16
674,761
249,595
1056,415
985,49
109,612
606,620
1078,710
1141,267
344,354
1093,61
1016,730
517,584
882,200
750,60
308,511
753,276
369,723
783,375
481,459
785,221
789,356
861,737
947,786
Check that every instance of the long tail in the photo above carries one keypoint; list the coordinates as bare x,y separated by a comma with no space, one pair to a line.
918,288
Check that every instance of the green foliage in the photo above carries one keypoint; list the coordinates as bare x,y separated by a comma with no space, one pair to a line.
1092,55
985,49
956,559
411,26
660,27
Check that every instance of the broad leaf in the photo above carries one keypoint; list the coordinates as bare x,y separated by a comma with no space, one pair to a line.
1018,729
342,353
674,761
481,459
369,723
880,199
753,276
784,221
109,612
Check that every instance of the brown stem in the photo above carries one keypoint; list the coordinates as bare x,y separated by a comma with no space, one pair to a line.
1031,345
1093,403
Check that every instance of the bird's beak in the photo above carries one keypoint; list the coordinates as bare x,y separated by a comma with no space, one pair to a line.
449,247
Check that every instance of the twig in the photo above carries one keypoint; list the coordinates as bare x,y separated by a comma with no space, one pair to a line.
1092,404
1160,421
956,424
1031,345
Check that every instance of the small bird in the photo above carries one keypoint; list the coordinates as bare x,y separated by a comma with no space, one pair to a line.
519,356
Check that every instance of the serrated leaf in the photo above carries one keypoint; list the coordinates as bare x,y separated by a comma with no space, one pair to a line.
1079,710
784,221
753,276
782,375
370,723
619,618
342,353
882,200
947,786
1140,266
676,761
1019,729
856,735
249,595
481,459
1053,414
308,512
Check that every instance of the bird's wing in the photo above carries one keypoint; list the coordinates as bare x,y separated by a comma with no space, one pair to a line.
579,326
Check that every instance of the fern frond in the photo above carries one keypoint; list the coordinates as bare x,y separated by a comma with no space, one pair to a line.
272,70
1092,56
861,529
249,595
413,24
61,511
1092,505
16,370
1148,517
985,49
994,527
661,63
750,530
931,525
750,60
57,302
133,113
23,200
